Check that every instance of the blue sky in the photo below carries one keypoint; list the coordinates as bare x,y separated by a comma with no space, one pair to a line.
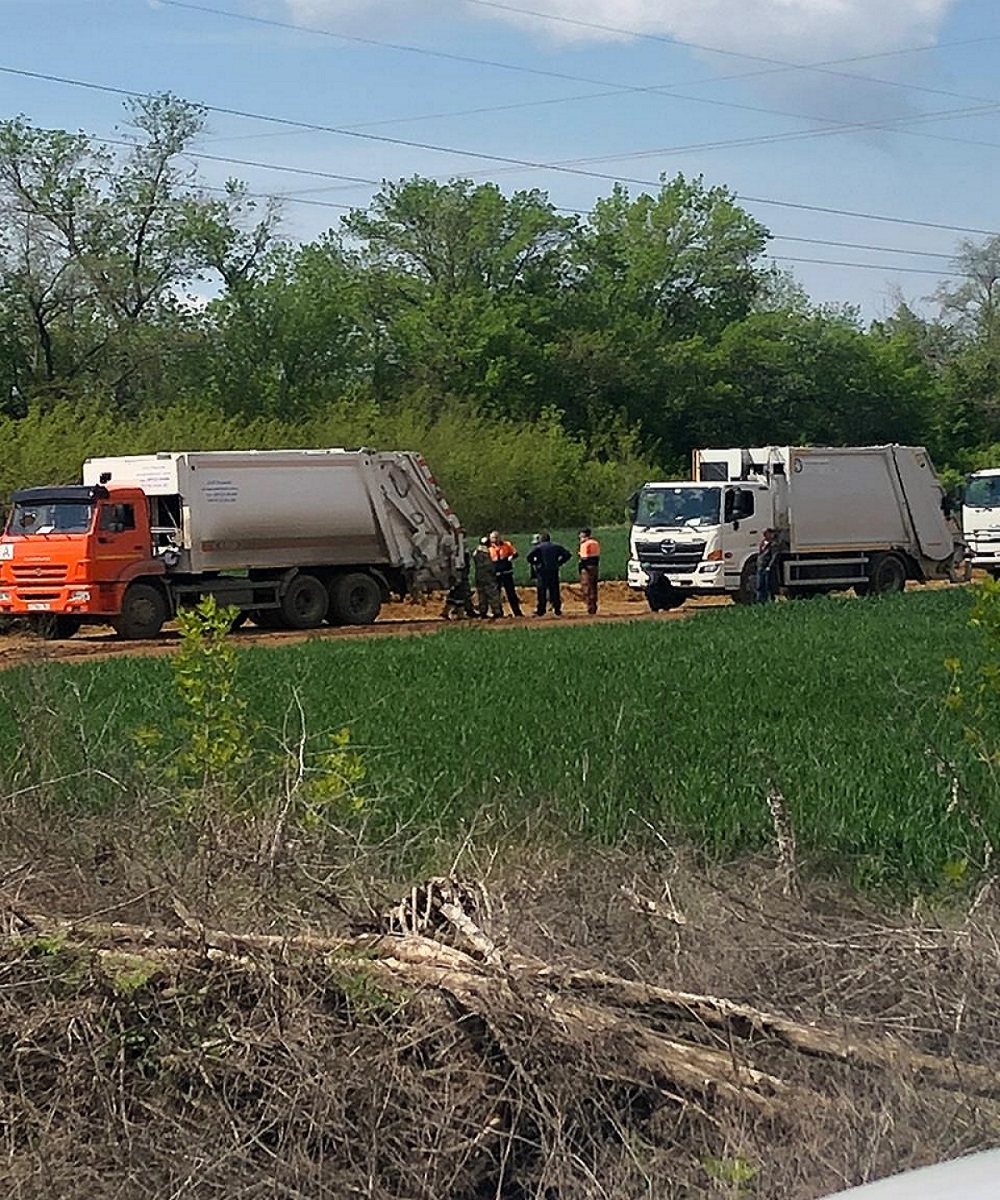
880,107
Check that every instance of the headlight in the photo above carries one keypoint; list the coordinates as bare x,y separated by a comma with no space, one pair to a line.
4,597
80,596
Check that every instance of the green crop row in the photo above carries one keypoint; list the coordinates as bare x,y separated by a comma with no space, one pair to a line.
600,732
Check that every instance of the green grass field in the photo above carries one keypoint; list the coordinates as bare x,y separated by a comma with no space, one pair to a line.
597,731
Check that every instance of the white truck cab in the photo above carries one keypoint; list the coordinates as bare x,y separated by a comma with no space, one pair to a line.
981,519
695,538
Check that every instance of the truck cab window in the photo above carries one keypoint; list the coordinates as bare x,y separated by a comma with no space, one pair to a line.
983,492
679,506
117,518
739,504
49,517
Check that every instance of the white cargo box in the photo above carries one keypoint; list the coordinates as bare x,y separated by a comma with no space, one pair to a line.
282,508
866,497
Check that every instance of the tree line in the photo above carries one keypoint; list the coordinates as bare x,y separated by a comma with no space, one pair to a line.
544,362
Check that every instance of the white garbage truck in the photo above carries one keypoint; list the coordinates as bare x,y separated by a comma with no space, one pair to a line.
981,519
292,538
867,517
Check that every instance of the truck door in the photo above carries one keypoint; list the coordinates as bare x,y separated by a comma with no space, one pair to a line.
120,539
745,516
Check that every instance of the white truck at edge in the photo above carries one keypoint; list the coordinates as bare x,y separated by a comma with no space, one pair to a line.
981,519
867,517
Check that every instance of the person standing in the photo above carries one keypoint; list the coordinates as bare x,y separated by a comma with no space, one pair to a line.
458,601
767,563
545,558
487,588
504,553
590,568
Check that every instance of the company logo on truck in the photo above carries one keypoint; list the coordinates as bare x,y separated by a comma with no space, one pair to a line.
220,491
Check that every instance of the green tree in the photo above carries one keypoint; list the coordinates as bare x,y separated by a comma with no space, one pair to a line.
98,249
293,338
971,312
461,283
650,275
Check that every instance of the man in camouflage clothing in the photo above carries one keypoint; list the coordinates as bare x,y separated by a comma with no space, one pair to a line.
487,587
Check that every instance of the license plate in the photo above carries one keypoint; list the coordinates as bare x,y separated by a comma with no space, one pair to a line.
38,606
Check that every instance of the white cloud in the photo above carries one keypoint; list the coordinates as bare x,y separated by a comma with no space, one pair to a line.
775,28
782,31
800,29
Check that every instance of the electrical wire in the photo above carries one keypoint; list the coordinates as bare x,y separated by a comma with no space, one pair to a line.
484,156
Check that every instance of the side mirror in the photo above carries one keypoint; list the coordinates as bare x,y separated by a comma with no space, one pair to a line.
633,505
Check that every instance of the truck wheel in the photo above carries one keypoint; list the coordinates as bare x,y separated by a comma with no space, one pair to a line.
54,627
746,593
355,599
305,602
144,610
886,576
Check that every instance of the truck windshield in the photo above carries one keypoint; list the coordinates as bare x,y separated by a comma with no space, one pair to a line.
983,492
679,506
52,516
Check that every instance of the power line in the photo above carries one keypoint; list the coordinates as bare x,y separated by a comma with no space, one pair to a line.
782,237
506,160
826,262
775,66
982,104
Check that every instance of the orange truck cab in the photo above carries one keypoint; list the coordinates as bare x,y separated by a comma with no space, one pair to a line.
68,554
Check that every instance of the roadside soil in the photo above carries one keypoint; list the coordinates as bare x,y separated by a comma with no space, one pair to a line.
617,603
409,618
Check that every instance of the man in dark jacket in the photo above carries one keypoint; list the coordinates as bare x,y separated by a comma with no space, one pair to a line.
545,558
767,563
487,588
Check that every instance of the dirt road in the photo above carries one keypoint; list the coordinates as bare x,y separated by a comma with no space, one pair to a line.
396,620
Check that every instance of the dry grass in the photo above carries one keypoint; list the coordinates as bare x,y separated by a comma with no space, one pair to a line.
167,1066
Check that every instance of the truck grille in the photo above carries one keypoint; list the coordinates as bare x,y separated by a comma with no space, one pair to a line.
670,556
39,573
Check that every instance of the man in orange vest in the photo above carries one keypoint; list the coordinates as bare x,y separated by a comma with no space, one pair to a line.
503,554
590,564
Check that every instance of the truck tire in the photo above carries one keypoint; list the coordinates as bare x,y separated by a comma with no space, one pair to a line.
886,576
746,593
143,613
355,599
54,627
305,602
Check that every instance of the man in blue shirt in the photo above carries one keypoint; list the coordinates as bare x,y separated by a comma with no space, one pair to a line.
545,558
